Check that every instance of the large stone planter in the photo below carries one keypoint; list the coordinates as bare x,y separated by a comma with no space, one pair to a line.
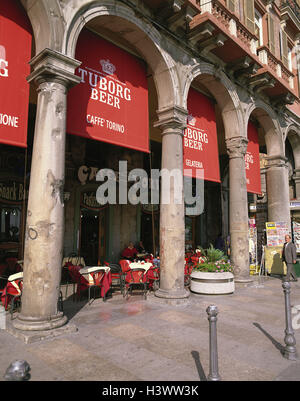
212,283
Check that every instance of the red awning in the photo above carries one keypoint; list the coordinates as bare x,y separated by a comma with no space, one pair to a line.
252,162
111,102
200,142
15,53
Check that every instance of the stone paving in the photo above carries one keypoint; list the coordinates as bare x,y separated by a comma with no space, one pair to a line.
149,340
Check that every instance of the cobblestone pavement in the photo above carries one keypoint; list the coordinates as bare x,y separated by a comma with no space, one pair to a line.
149,340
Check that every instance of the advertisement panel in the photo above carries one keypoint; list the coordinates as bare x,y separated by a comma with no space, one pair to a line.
110,104
15,53
252,161
200,142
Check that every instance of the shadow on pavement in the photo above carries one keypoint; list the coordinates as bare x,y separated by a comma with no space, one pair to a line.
277,345
195,355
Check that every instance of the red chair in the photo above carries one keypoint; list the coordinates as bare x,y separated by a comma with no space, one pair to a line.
135,277
125,268
116,274
96,280
154,277
77,278
188,268
12,291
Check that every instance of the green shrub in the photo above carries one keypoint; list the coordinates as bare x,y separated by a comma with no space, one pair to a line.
214,261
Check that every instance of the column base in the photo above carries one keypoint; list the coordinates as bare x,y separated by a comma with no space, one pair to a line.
243,279
30,337
37,324
173,295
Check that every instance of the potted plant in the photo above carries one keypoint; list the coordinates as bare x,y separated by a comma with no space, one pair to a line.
213,274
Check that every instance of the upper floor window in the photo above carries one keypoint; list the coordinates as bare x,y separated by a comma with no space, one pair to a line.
249,15
271,33
290,59
258,28
284,49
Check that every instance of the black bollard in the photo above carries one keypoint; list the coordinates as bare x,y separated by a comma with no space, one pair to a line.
18,371
290,351
212,312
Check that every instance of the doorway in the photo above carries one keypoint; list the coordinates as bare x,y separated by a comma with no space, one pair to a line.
92,236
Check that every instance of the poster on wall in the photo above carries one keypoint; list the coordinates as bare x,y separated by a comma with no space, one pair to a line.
276,233
110,104
252,161
252,242
200,142
15,53
296,235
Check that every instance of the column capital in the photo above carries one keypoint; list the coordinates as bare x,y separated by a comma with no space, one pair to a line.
236,147
53,66
276,161
172,118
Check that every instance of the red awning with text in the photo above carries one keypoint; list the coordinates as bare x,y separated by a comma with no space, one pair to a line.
111,102
15,53
252,162
200,142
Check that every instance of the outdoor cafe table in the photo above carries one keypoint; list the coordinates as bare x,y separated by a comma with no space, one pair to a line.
150,270
90,275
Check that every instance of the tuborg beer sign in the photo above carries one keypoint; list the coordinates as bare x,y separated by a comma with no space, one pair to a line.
110,103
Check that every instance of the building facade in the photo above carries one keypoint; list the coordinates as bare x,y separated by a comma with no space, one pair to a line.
241,58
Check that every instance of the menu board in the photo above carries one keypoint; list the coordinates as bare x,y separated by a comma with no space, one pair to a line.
276,233
296,233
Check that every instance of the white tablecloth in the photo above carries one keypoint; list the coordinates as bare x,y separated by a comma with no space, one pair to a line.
137,265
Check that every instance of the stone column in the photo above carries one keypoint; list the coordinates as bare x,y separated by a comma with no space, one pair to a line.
238,208
172,225
53,74
278,189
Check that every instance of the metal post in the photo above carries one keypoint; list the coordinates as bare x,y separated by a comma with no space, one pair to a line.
212,312
290,351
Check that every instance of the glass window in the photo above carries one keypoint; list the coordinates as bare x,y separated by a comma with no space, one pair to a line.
258,28
290,62
10,223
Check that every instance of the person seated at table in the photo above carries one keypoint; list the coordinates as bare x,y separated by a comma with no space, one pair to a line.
140,247
129,252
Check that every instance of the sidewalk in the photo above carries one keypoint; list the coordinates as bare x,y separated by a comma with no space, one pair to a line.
150,340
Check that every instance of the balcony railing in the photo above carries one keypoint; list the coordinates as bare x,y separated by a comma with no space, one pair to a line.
278,69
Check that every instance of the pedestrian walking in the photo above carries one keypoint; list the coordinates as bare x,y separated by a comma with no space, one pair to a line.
289,256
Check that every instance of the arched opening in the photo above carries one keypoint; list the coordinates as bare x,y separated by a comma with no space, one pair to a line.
85,155
270,208
224,210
